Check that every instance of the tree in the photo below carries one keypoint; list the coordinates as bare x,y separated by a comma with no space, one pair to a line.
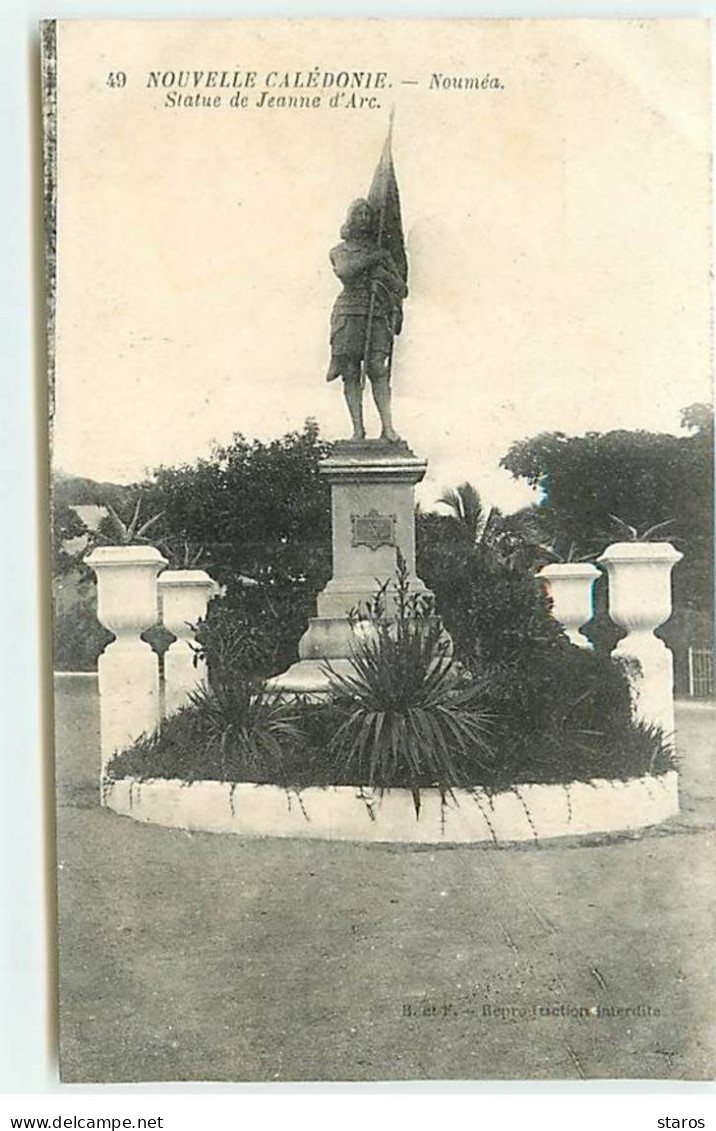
645,479
261,513
78,637
465,506
67,527
511,538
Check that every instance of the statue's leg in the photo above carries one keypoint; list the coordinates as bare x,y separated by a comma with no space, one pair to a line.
380,383
353,393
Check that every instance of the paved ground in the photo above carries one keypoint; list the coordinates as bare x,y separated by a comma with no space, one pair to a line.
203,957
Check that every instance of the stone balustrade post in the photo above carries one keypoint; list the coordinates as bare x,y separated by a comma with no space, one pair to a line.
640,601
184,598
128,669
571,588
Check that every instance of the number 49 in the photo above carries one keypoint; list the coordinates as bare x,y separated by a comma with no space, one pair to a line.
116,78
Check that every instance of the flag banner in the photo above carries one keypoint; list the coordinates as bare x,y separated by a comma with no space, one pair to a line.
384,198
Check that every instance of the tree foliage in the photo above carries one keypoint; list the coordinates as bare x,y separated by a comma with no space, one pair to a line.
261,514
557,709
643,478
485,592
465,506
67,528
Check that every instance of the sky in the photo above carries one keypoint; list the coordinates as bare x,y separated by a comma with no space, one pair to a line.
556,225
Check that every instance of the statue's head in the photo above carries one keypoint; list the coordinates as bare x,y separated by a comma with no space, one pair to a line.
360,221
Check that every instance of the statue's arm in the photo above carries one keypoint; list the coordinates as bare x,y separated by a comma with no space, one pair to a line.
391,280
348,262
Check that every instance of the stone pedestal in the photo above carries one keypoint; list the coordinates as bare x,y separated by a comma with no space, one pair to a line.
184,597
373,516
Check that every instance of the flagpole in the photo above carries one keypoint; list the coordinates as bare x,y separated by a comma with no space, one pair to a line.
373,291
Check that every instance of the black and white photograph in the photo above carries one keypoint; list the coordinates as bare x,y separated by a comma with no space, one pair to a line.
381,436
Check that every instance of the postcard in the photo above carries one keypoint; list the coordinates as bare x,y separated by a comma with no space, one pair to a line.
381,433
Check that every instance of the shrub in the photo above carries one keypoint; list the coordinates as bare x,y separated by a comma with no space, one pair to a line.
78,639
566,716
249,636
523,705
495,613
237,731
405,715
561,712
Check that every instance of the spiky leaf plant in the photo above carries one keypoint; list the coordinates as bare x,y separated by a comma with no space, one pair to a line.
120,533
629,533
236,731
182,553
565,553
405,714
251,731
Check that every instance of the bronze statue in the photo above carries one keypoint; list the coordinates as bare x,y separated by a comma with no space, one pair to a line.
366,316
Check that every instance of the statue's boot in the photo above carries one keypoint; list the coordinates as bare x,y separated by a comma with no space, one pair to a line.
381,396
354,399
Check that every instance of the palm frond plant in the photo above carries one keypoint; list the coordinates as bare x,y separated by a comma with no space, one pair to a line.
511,541
406,716
236,732
507,540
465,506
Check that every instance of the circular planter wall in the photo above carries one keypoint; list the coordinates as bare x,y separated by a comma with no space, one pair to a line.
524,813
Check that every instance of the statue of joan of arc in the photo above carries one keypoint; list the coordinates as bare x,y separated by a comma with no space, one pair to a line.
371,264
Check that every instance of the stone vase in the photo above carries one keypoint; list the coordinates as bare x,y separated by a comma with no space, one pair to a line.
128,669
640,601
184,596
571,588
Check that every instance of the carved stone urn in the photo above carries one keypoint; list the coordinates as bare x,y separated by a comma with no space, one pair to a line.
571,588
184,596
128,669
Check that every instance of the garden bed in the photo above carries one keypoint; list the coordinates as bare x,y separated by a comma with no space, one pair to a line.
531,812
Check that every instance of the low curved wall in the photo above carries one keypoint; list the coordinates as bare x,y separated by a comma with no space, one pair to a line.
524,813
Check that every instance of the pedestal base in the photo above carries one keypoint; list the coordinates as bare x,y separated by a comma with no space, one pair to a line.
373,519
308,679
